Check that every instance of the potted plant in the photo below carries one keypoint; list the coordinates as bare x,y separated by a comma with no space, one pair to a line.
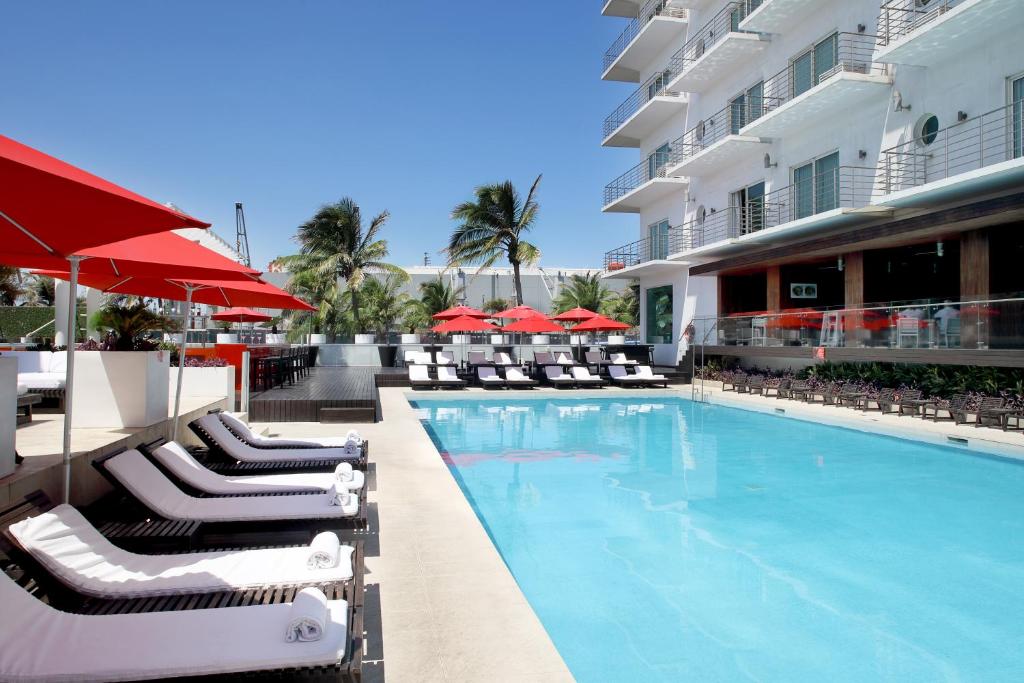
227,336
124,381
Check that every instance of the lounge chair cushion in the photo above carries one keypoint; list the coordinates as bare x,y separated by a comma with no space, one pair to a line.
489,376
419,373
645,372
43,644
515,375
555,374
144,481
446,373
192,472
243,430
581,374
71,548
22,389
239,450
41,380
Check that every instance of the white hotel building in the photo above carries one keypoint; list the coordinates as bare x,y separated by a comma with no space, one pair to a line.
861,161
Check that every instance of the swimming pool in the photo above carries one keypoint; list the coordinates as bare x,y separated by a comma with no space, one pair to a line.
666,540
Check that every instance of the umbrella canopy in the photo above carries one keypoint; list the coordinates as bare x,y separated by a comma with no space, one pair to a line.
48,206
459,311
599,323
536,324
464,323
227,293
241,315
575,315
517,313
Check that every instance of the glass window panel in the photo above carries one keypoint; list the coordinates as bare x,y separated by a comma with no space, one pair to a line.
803,191
658,159
803,73
755,102
826,183
657,240
826,56
737,114
659,315
755,208
1018,117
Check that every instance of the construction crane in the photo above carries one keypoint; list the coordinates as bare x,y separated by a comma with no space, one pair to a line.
241,237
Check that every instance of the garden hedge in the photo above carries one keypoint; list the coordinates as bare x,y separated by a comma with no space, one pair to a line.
17,321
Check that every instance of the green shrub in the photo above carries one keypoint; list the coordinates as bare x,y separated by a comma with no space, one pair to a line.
933,380
18,321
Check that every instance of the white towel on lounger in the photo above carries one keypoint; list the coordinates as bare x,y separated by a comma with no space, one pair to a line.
308,616
353,435
325,551
338,497
344,473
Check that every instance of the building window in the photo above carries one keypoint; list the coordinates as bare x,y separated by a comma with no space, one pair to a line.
927,129
659,315
1017,100
749,203
657,160
811,67
657,240
816,186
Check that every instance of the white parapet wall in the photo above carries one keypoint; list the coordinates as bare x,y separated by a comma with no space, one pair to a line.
120,389
204,383
8,411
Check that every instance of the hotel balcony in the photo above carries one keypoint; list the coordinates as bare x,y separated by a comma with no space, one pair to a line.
646,256
651,31
621,8
639,186
812,203
793,99
978,155
926,33
648,107
718,48
713,143
776,16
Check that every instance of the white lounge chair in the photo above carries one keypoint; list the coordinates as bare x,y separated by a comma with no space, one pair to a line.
245,433
515,378
75,552
620,359
448,377
557,376
187,469
478,358
503,358
40,643
645,372
215,434
419,376
619,375
562,358
542,358
137,476
445,358
488,377
583,377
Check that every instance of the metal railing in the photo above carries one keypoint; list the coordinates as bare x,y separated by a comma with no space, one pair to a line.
707,132
969,145
900,18
653,87
645,171
644,250
722,24
648,11
983,323
851,54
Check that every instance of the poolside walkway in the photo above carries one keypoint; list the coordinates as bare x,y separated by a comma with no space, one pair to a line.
441,605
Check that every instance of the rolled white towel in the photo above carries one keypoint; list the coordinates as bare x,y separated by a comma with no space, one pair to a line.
324,551
353,435
308,616
339,497
351,448
344,472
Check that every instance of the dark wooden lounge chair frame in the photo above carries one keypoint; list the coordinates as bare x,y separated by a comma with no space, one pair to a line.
297,447
992,412
218,460
247,532
956,410
731,379
910,403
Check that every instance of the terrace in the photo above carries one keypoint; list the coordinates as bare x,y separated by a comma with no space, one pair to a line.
714,142
653,28
639,186
648,107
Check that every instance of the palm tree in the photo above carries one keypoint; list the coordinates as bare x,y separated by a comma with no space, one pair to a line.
625,306
10,285
333,245
129,318
494,306
385,303
437,295
586,291
493,226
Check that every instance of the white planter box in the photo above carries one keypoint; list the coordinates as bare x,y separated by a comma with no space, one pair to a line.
410,339
8,410
115,389
540,339
498,339
579,339
277,338
460,339
366,338
224,338
616,339
318,339
204,382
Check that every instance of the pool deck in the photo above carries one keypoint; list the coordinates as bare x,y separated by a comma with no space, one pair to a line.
441,604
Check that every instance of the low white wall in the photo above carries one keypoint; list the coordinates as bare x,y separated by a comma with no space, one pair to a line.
8,411
205,383
119,389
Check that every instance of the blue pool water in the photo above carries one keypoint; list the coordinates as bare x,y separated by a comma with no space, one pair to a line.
671,540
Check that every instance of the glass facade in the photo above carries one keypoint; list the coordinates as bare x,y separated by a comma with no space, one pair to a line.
659,315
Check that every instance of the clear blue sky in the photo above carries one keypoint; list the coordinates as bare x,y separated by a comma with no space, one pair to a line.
404,105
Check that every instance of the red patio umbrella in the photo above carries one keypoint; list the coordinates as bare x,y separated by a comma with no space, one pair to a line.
464,323
241,315
537,324
51,209
459,311
517,313
599,323
575,315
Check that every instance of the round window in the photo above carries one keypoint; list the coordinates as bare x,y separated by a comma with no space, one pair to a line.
702,214
927,129
699,131
922,3
699,52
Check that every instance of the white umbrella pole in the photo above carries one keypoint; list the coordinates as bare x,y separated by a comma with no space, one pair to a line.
181,360
69,375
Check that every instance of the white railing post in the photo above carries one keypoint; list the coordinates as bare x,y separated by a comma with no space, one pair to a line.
244,407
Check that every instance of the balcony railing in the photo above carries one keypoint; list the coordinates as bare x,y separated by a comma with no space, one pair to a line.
845,187
900,18
708,131
973,144
726,21
654,87
851,54
919,324
648,11
653,167
642,251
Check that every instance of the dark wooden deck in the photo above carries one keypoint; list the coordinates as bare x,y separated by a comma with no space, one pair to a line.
328,394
